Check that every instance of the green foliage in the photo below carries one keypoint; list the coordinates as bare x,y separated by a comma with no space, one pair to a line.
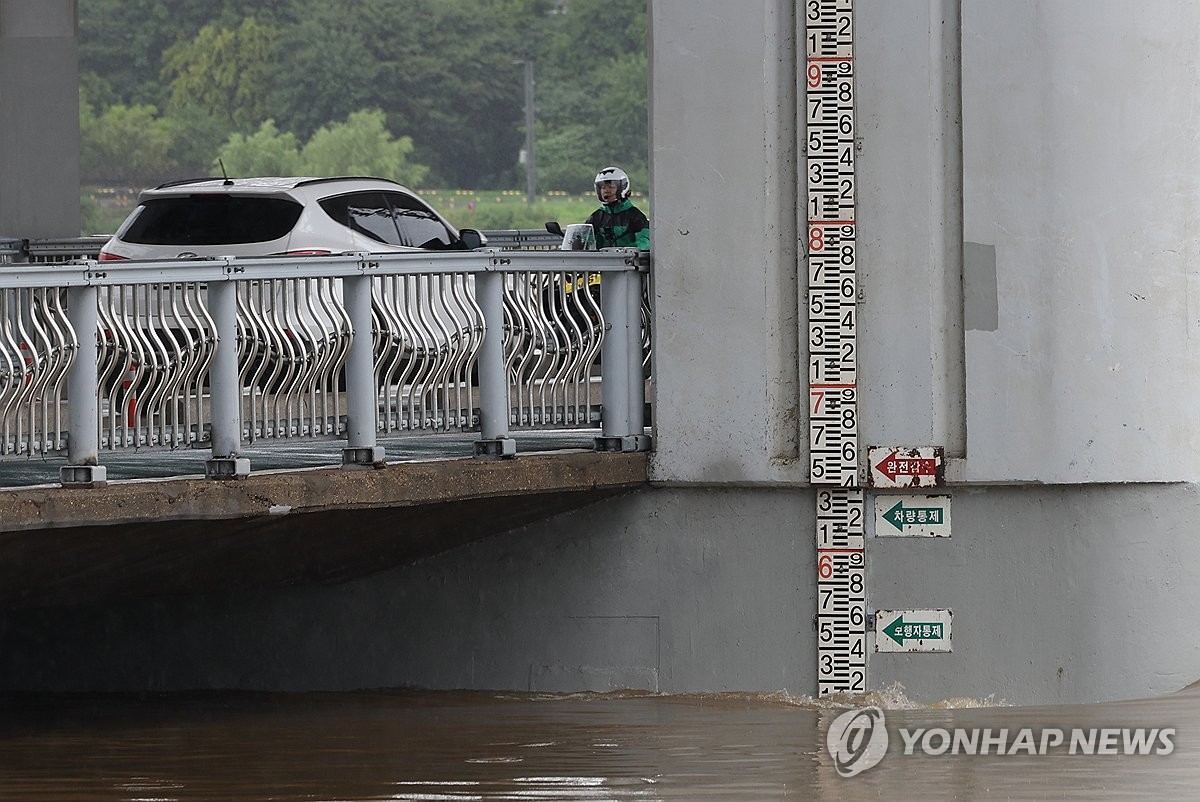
593,95
442,71
124,143
445,74
122,41
195,137
102,213
559,164
223,71
89,210
361,146
265,152
326,69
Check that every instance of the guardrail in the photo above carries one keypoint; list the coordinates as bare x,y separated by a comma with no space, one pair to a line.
223,352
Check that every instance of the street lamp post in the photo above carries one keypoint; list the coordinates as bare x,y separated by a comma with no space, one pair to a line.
530,153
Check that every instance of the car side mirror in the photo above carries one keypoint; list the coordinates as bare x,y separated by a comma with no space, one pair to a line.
470,238
554,228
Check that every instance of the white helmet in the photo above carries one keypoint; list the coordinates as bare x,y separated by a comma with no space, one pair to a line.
613,174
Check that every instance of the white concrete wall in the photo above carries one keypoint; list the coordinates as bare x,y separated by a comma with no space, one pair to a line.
1082,172
39,119
908,174
729,398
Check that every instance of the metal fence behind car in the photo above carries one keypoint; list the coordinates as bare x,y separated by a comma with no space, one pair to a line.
49,251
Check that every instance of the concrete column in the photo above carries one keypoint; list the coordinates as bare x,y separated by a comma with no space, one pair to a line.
39,119
730,379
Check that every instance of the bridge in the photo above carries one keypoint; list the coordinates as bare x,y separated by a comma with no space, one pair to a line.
875,233
220,352
447,354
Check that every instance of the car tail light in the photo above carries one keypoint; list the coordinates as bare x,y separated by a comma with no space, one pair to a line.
105,256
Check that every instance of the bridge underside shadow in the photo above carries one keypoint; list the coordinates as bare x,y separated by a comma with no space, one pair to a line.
152,539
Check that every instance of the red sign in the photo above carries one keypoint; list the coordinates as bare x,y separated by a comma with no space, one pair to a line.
895,465
900,466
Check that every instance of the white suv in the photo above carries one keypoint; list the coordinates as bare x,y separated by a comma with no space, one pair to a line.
287,327
281,216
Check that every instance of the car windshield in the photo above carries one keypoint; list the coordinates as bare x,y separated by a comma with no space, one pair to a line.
210,219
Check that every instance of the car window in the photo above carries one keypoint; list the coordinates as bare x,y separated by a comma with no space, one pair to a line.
210,219
367,213
419,226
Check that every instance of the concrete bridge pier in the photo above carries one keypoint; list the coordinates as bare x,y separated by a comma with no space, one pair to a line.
39,107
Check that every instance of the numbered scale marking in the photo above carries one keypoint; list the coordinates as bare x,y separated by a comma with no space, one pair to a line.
831,243
833,348
833,355
841,593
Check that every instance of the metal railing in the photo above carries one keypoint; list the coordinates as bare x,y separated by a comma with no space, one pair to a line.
224,352
47,251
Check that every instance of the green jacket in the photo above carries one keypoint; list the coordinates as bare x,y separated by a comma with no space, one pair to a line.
620,225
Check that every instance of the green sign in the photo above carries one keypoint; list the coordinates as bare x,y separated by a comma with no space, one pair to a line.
912,515
901,630
900,516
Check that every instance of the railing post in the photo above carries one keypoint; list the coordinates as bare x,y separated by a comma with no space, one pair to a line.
361,403
493,383
83,468
225,388
637,377
623,394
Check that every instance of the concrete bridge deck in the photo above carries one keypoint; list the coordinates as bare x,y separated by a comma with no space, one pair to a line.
182,535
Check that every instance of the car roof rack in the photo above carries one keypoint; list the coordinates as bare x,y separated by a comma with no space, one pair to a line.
310,181
182,181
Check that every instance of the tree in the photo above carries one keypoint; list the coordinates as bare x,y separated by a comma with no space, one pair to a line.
361,145
124,144
441,70
265,152
560,166
223,71
195,137
593,93
445,73
122,41
324,70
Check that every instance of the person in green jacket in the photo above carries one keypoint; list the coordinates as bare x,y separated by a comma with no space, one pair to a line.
618,223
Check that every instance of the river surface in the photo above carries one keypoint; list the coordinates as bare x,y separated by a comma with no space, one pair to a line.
497,746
